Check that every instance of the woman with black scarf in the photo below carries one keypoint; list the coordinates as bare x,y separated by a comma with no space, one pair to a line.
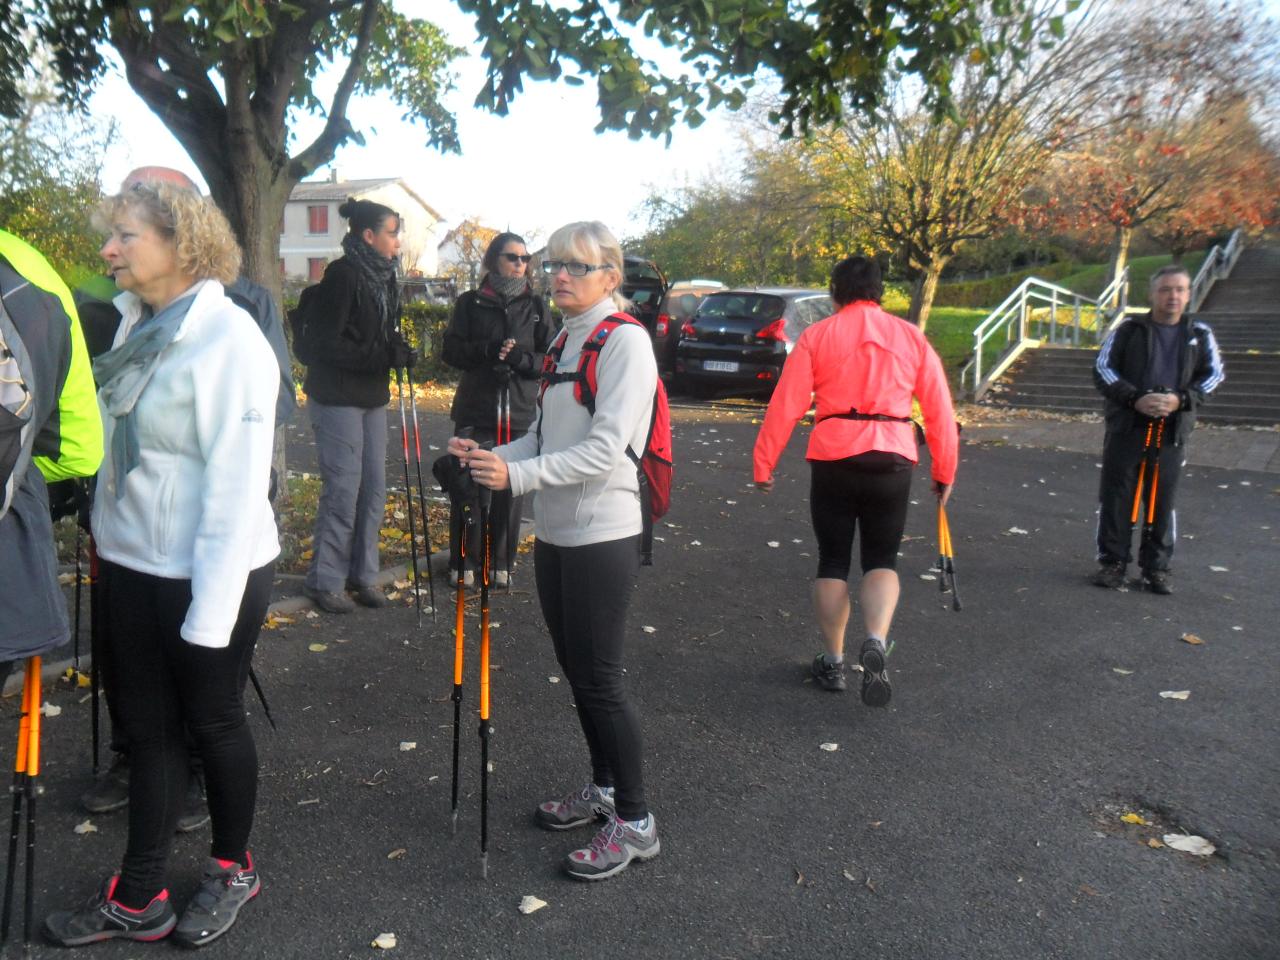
497,337
358,344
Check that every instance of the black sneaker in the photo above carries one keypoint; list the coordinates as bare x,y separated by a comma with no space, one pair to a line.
195,808
110,792
102,918
328,601
226,888
1157,581
875,680
829,676
1110,575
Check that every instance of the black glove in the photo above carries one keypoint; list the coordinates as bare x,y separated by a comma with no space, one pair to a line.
400,355
515,356
492,349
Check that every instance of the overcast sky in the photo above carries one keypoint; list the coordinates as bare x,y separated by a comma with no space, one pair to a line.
531,171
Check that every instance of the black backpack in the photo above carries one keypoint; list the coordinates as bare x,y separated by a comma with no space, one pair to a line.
302,325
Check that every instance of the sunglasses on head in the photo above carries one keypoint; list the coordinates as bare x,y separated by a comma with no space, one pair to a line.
517,257
573,267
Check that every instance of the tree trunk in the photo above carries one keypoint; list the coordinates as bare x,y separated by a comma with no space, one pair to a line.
1120,252
926,287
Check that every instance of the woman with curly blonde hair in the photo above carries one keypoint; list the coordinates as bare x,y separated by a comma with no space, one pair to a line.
187,541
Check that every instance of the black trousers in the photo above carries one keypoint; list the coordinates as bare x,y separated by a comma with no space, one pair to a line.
584,592
504,514
870,490
166,687
1122,454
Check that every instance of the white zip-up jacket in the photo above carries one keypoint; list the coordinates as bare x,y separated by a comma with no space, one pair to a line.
195,507
586,485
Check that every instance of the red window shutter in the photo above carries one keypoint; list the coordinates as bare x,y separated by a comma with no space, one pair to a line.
315,268
318,219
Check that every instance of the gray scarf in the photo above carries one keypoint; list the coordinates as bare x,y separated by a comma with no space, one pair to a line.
125,372
377,277
507,288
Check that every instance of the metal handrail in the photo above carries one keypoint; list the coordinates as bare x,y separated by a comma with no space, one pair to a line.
1036,303
1218,264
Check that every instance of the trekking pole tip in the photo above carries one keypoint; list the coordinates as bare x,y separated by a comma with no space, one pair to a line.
484,865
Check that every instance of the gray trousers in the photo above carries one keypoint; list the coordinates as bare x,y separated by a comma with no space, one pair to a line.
351,446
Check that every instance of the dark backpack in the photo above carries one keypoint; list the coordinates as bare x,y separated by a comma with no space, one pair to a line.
302,325
654,465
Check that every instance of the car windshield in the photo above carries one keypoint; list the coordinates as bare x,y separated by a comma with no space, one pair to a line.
761,307
642,271
643,296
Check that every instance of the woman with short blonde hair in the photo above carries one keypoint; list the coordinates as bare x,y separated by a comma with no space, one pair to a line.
187,542
588,526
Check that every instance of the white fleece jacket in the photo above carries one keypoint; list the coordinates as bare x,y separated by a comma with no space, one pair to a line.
195,507
585,483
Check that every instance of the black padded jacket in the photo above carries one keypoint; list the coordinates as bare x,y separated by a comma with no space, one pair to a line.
352,367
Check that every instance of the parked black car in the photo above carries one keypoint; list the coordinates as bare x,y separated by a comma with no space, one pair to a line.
677,306
643,284
741,338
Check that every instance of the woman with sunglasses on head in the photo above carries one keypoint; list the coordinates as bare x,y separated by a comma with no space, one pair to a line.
588,525
497,337
358,344
187,542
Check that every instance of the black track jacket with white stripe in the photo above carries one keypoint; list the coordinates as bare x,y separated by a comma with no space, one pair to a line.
1122,364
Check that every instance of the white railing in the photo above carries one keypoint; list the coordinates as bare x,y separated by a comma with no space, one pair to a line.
1034,314
1217,265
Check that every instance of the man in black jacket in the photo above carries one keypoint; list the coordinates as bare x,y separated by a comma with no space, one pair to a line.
1155,371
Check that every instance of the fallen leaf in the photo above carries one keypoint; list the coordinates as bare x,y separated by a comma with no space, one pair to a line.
50,709
849,876
407,745
312,615
799,876
648,629
1088,891
1219,569
384,941
1192,639
1197,846
553,679
318,647
1154,844
85,827
1122,671
1017,530
829,747
773,543
1175,694
530,905
397,854
927,576
1134,818
695,543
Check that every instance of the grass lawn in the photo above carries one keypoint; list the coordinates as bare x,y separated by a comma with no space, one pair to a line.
950,330
1093,279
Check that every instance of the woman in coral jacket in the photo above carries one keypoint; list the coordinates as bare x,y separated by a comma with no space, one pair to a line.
861,366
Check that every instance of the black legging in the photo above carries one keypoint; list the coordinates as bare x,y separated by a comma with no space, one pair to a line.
584,592
871,489
166,687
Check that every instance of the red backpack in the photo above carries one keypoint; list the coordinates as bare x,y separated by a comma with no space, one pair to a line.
654,466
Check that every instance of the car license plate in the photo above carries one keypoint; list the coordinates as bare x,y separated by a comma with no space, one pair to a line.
721,366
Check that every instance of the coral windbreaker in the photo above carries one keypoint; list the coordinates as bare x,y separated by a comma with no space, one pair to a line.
863,359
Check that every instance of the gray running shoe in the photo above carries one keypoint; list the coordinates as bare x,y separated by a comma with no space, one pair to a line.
1110,575
576,810
225,889
612,849
875,680
1157,581
829,676
111,790
195,808
328,601
102,918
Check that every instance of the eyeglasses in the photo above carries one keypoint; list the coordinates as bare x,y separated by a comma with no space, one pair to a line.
574,268
517,257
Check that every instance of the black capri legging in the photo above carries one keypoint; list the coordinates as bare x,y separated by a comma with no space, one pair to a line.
870,489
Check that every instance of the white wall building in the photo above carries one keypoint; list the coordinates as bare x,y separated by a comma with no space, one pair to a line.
312,231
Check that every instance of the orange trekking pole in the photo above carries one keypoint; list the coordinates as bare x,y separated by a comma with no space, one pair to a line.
26,768
1142,470
460,609
946,560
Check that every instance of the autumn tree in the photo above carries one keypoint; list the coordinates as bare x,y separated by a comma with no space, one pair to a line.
1176,132
230,77
926,187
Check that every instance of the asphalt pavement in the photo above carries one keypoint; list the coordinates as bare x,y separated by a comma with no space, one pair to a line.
979,816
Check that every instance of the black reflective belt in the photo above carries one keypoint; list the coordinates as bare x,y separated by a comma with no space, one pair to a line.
855,415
